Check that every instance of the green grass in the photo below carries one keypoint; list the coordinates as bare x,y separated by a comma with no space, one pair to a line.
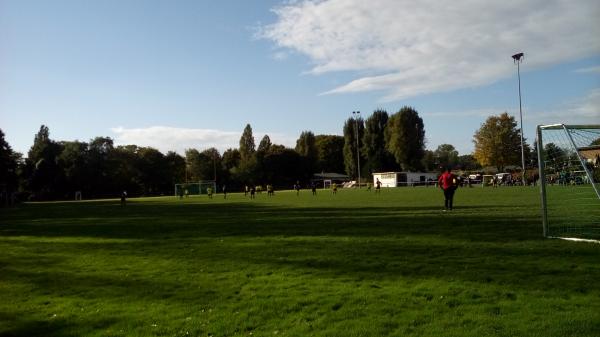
354,264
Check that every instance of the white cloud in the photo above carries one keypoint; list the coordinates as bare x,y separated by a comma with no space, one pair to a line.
584,110
593,70
165,138
408,48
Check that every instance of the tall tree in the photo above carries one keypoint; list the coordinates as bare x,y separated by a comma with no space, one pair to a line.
498,142
378,159
230,164
73,160
265,144
307,149
211,163
350,156
247,167
175,168
152,169
247,147
46,176
468,163
330,153
405,138
102,167
193,162
430,162
8,167
446,155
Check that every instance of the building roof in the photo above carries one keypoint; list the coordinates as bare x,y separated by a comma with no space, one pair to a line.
330,176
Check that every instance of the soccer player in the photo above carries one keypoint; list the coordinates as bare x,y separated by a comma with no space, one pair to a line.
246,190
124,198
252,191
209,191
447,183
334,188
297,188
313,187
378,187
270,192
224,191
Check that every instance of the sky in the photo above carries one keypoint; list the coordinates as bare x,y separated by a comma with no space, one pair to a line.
191,74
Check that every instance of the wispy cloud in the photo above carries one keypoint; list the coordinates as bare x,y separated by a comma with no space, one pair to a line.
408,48
165,138
595,70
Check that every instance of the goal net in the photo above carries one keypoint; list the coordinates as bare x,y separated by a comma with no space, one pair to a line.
186,189
569,167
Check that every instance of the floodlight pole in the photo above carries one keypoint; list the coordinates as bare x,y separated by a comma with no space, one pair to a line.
518,58
357,114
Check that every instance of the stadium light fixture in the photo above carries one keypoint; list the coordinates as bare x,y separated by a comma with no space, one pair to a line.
517,59
356,115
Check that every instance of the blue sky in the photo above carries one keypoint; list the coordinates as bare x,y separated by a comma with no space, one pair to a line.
180,74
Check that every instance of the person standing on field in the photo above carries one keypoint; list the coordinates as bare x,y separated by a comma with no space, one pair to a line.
378,187
447,183
124,198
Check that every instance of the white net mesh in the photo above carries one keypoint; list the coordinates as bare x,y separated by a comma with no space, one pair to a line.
570,167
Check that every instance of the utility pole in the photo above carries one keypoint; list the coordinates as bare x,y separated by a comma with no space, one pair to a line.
518,58
357,114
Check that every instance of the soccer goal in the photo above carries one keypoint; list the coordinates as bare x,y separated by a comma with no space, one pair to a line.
187,189
569,167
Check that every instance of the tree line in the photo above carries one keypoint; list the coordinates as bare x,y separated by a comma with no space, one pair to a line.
98,168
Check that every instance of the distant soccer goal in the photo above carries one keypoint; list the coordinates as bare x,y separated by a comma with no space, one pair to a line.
569,164
187,189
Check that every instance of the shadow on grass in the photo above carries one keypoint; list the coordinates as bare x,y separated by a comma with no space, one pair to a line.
24,325
207,253
168,220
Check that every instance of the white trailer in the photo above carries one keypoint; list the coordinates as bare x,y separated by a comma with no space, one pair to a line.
396,179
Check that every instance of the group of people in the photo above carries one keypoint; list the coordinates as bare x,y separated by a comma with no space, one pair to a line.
447,181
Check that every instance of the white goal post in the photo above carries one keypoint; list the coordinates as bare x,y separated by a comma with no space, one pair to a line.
195,188
569,170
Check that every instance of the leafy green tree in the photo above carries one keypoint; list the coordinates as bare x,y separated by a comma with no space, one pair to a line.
265,144
247,147
152,170
45,175
307,149
330,153
350,159
211,164
554,155
175,168
193,165
595,142
8,167
73,161
247,167
230,164
498,142
123,169
430,162
378,159
103,168
468,163
284,167
446,155
405,138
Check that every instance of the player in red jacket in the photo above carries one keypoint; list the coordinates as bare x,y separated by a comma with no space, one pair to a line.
447,182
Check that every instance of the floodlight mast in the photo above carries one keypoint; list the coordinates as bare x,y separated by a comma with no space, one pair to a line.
518,58
357,114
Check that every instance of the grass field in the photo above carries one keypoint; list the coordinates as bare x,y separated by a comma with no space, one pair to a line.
353,264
